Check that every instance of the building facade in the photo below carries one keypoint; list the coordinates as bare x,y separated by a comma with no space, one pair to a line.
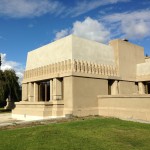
76,76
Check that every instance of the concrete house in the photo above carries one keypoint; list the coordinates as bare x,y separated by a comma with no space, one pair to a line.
76,76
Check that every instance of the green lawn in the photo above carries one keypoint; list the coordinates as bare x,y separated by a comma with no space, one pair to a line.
88,134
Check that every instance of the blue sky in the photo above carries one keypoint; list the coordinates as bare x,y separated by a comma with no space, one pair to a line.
29,24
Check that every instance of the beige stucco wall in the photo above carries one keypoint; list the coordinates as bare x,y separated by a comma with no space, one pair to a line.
92,51
27,109
133,107
126,87
143,69
70,47
127,56
68,94
38,110
85,91
54,52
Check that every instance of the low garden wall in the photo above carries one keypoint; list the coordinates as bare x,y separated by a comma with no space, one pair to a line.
132,107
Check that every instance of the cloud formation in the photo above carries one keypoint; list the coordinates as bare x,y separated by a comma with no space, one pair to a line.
12,65
84,6
133,25
62,34
35,8
89,28
29,8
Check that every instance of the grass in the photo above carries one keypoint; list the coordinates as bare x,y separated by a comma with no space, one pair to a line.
88,134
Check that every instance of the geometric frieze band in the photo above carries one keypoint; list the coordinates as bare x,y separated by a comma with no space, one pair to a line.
72,66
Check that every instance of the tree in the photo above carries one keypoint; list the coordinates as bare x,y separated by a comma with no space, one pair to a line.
9,86
2,88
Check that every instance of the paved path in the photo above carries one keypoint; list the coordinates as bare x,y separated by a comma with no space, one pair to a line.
5,119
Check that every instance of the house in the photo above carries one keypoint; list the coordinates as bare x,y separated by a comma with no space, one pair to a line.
80,77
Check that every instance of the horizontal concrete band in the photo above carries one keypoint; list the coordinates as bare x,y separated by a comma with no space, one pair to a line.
77,74
125,96
66,66
143,77
40,103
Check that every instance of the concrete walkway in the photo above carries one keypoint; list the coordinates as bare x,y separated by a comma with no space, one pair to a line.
5,119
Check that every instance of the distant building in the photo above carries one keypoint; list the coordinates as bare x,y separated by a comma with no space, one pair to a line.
76,76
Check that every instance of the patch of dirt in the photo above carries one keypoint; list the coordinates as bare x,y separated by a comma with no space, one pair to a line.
25,124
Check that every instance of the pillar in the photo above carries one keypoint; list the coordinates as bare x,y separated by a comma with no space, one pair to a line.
30,92
114,88
24,92
141,88
35,92
57,89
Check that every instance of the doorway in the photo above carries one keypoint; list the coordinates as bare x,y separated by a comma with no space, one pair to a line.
44,91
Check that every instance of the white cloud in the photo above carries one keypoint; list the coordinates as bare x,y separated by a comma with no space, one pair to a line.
88,5
12,65
62,34
134,25
89,28
35,8
29,8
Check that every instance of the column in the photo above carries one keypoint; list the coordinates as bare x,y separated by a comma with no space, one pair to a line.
51,89
57,89
35,92
24,92
114,88
30,92
141,88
